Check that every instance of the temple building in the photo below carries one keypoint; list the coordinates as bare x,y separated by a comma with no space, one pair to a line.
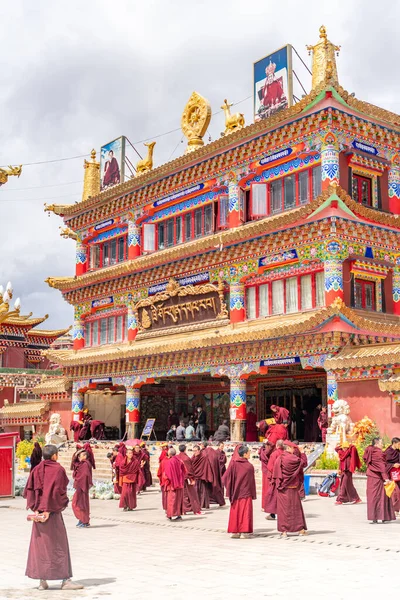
261,268
23,367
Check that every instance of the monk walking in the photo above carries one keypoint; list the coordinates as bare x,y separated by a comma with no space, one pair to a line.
270,501
129,473
349,462
240,485
191,502
203,474
264,453
379,505
217,490
174,481
82,484
221,458
286,476
46,495
392,457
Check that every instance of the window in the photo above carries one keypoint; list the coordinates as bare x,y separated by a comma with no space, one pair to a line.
178,230
161,235
188,226
276,196
316,182
120,331
290,192
364,294
362,190
303,187
170,232
106,330
88,341
195,223
223,211
286,193
285,296
108,253
95,333
198,223
259,200
208,219
149,237
94,257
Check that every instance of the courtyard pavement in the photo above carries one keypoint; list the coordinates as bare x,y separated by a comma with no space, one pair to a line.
142,554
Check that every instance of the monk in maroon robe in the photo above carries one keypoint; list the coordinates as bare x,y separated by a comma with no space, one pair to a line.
217,490
240,485
286,476
379,505
114,469
270,501
221,458
90,454
203,474
75,459
174,480
82,484
84,433
111,170
304,463
392,458
191,502
140,456
281,415
146,469
323,423
128,478
36,456
349,461
264,453
276,432
251,427
46,495
76,427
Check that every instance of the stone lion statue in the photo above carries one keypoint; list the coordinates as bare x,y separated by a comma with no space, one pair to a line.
341,423
56,434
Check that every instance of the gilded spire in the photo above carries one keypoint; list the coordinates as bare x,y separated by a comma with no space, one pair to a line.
91,180
324,62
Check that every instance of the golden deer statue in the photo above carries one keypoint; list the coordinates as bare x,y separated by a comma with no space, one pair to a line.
232,122
146,164
6,173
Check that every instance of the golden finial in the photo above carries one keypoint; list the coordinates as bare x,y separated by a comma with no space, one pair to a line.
91,179
6,173
232,122
146,164
324,62
67,233
195,120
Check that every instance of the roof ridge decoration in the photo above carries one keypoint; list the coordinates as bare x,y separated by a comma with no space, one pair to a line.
195,120
324,62
226,238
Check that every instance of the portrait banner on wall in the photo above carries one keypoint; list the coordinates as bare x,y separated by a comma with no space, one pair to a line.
273,83
112,163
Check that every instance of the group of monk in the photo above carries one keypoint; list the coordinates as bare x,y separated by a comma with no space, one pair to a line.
131,472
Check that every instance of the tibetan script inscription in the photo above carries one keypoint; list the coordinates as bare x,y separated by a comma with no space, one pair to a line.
181,305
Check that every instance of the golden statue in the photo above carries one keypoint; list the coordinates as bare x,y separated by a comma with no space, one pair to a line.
6,173
324,62
146,164
67,233
195,120
91,179
232,122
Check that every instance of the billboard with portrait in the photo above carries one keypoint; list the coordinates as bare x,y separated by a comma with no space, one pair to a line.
273,83
112,163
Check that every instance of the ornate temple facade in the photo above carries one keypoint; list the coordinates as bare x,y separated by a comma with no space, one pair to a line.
261,268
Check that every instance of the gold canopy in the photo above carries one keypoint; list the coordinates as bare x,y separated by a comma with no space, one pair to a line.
324,61
91,181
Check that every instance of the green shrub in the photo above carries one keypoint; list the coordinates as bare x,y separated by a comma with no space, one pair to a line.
24,449
327,462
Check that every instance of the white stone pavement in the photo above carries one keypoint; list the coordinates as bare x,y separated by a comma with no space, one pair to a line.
142,554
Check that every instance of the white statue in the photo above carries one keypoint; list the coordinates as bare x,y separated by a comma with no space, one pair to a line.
56,434
341,427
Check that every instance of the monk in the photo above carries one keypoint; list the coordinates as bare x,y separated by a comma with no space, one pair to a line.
323,423
217,490
75,459
262,427
90,454
204,476
379,505
112,456
111,170
117,464
46,495
82,484
174,481
281,415
276,432
240,484
287,482
392,458
264,453
76,427
36,456
140,456
349,462
251,426
146,469
191,502
270,501
128,477
84,432
304,463
221,458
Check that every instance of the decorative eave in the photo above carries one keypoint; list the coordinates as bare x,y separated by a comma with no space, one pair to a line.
24,321
373,355
52,385
249,331
225,238
48,333
25,409
392,384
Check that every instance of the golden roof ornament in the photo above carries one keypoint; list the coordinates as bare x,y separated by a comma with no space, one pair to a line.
146,164
232,122
6,173
91,180
195,120
324,61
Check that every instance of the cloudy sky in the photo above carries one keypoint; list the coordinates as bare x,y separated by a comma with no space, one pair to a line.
76,74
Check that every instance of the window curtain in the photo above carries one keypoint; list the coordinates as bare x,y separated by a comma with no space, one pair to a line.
251,302
264,300
320,288
306,292
259,199
292,304
223,210
149,237
276,196
277,297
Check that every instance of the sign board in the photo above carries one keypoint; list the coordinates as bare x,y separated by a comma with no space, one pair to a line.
367,148
271,362
188,280
273,83
112,163
148,428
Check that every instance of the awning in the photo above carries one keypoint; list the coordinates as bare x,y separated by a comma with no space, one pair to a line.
392,384
24,413
52,385
373,355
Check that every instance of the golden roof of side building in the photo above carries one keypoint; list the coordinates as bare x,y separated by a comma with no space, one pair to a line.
25,409
374,355
392,384
248,331
52,385
49,333
226,238
225,142
25,320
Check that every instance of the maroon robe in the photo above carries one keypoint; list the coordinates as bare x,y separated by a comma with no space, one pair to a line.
217,492
129,473
262,428
160,474
46,491
82,484
286,476
275,433
76,427
87,448
270,497
323,425
111,172
379,506
392,457
204,477
85,429
264,453
191,502
349,462
251,427
240,485
281,415
148,479
222,459
174,480
36,456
